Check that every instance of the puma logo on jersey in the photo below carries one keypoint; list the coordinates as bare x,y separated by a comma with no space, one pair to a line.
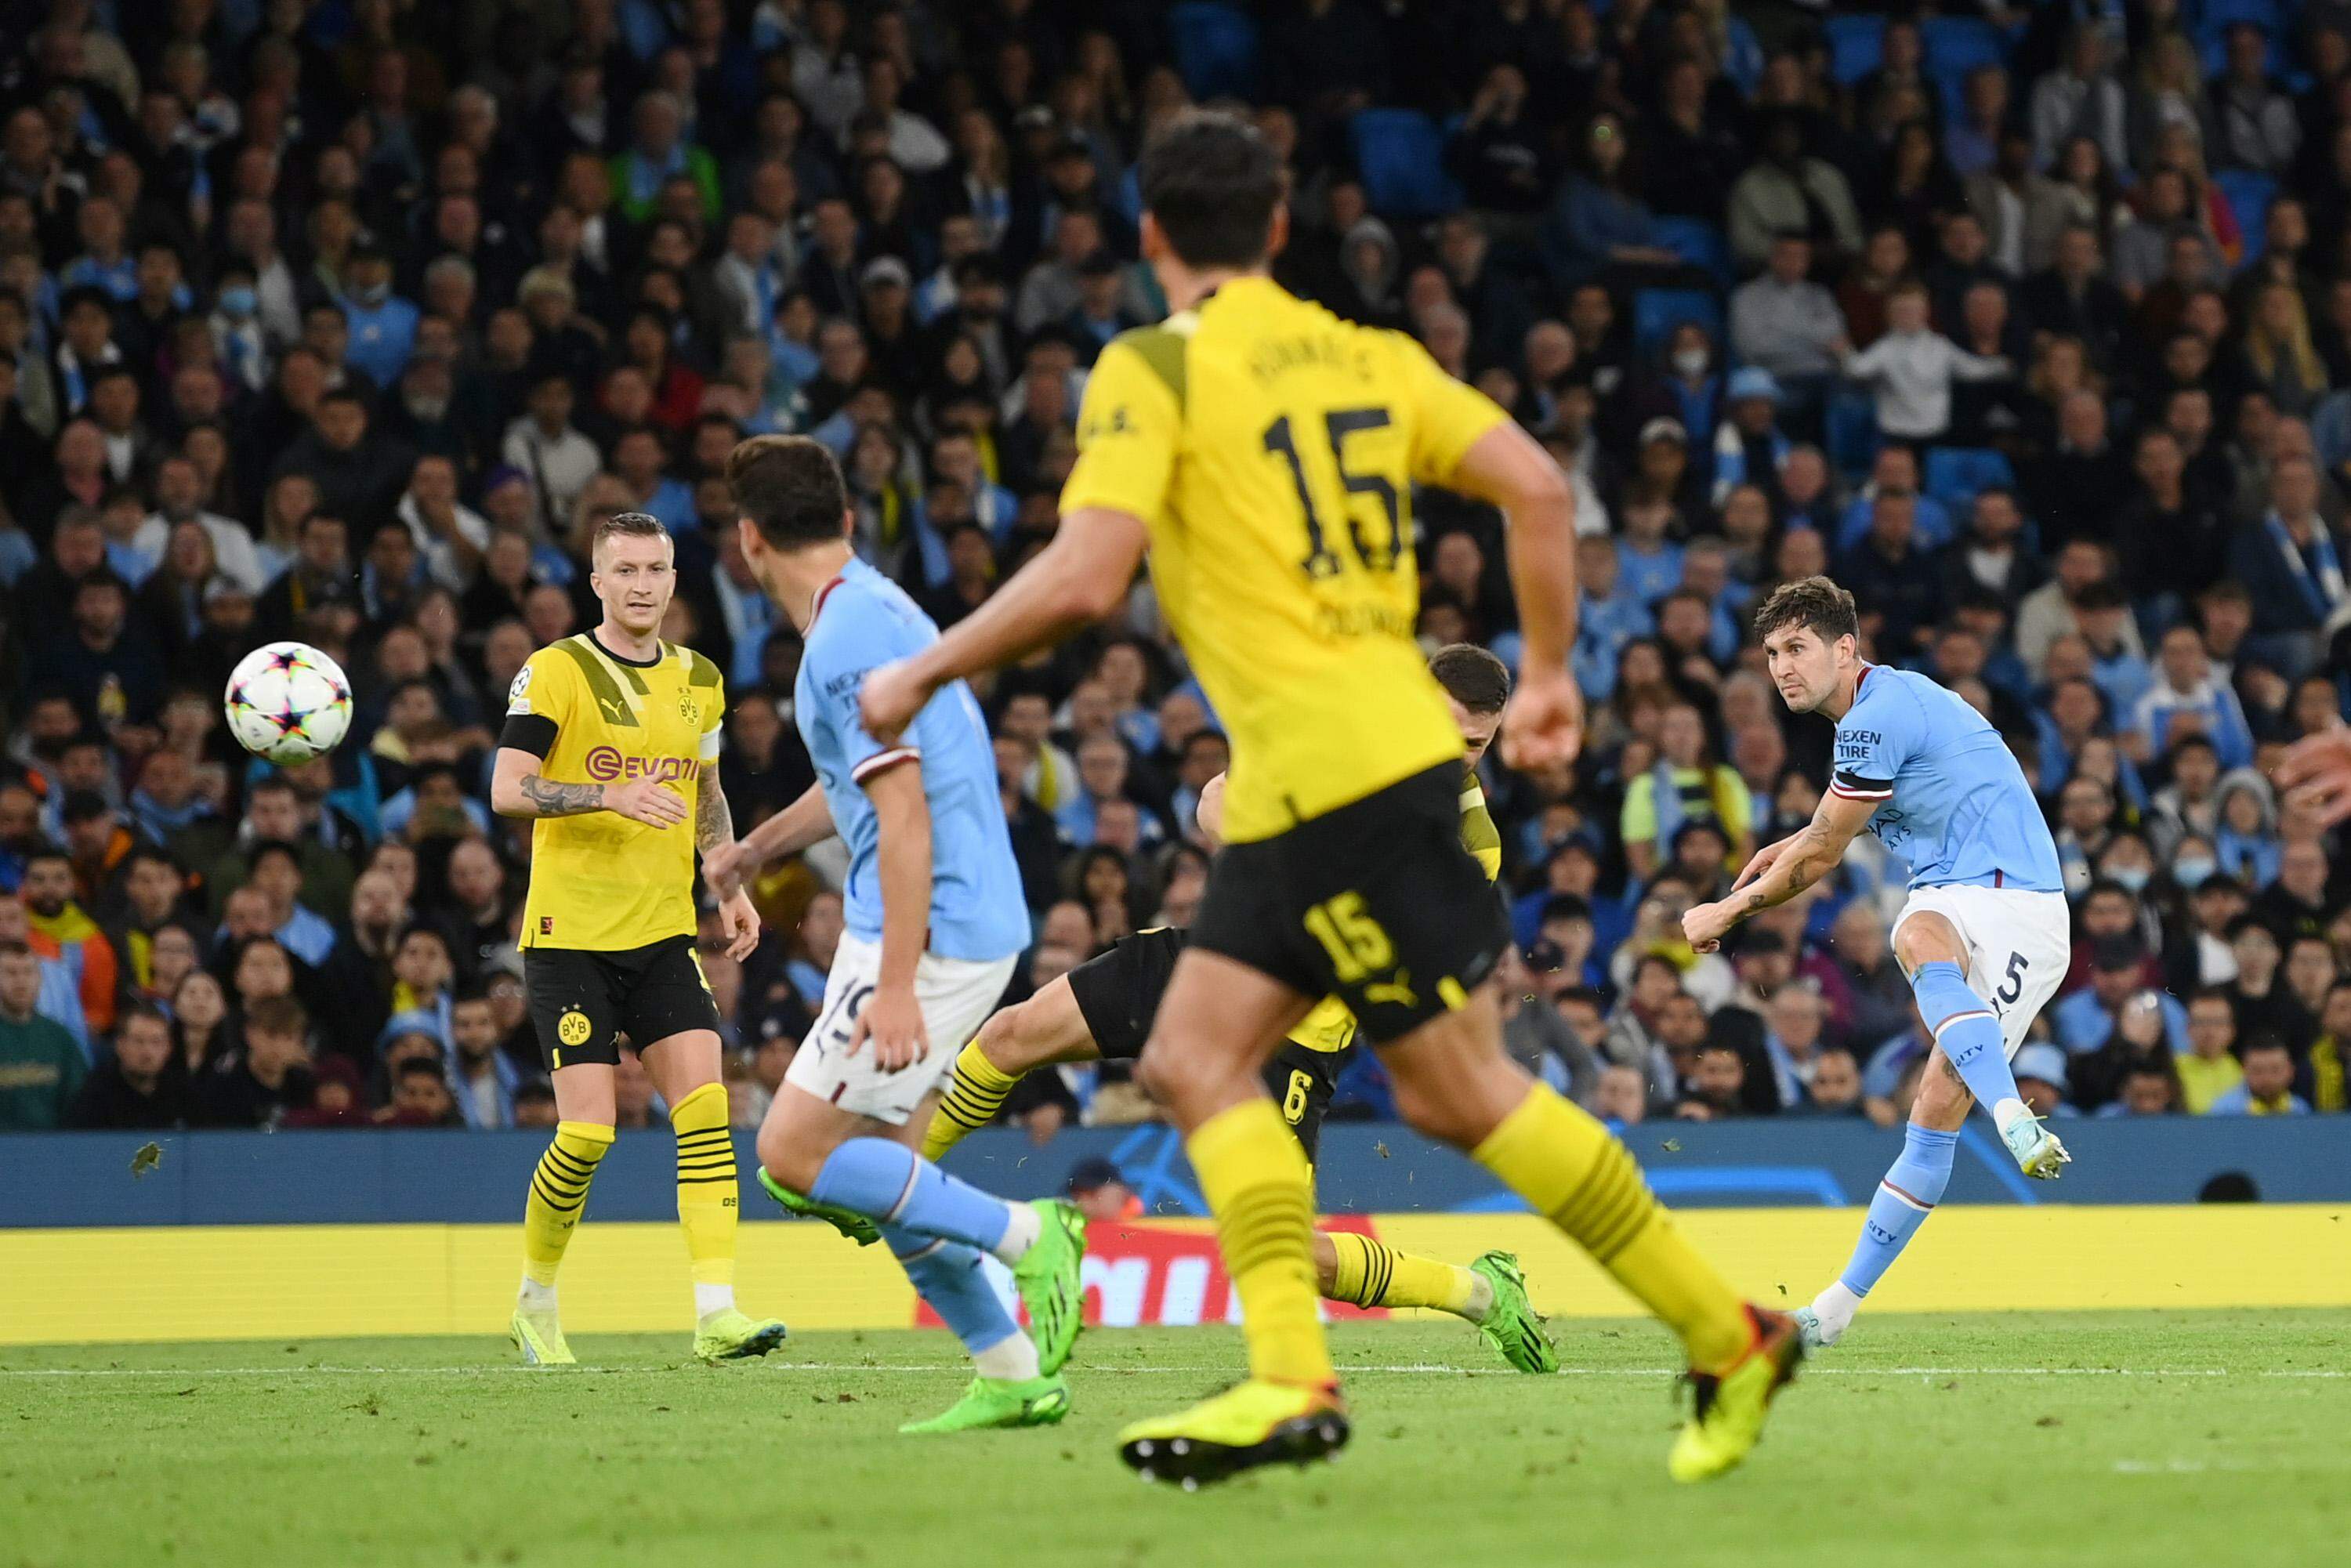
615,708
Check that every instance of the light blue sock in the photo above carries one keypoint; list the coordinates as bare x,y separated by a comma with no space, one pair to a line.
891,1184
1966,1028
948,1276
1909,1193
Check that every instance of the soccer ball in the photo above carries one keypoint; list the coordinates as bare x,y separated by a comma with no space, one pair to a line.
288,703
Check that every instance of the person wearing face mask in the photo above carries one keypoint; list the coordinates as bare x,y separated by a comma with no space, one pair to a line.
2193,864
238,331
383,326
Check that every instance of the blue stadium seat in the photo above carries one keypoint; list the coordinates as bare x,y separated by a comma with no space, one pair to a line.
1956,46
1697,242
1657,311
1400,154
1856,46
1852,428
1216,49
1959,43
2249,195
2216,16
1956,475
2212,49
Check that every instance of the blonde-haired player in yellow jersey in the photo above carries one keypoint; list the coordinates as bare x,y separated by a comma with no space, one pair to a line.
1264,452
607,734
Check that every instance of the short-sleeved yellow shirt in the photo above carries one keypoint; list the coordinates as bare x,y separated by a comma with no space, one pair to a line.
599,880
1271,448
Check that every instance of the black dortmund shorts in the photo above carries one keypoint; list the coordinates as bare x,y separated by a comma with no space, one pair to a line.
1118,993
583,1002
1376,902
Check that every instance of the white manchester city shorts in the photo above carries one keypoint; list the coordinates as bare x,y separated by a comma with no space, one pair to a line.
2019,946
955,995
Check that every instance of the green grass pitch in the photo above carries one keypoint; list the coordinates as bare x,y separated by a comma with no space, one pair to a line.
2015,1440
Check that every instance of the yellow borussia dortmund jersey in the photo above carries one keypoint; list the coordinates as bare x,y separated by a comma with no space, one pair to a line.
599,880
1272,448
1330,1027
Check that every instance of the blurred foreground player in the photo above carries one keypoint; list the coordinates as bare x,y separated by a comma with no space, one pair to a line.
1264,452
1103,1010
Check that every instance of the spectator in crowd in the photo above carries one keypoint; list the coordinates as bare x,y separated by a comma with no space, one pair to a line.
269,1078
1784,322
134,1090
62,934
1913,369
41,1065
2266,1086
2210,1068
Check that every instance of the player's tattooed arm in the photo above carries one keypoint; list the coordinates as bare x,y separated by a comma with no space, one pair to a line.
1814,852
713,824
1781,872
549,799
517,789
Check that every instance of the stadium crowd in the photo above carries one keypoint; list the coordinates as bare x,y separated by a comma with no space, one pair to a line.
346,320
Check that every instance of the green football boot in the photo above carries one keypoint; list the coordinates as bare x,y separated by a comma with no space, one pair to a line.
994,1401
1511,1325
850,1223
733,1335
540,1337
1046,1276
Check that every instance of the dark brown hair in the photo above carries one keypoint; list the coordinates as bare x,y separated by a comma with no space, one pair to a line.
1211,183
1472,676
1810,602
789,487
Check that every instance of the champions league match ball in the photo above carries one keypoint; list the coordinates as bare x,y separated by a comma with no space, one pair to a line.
288,703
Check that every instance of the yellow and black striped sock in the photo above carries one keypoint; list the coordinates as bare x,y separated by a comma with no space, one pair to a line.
1371,1273
1575,1174
708,1198
1255,1181
558,1190
970,1103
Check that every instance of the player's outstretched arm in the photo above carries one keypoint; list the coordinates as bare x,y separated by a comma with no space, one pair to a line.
517,789
807,822
1543,725
1080,577
1796,862
891,1020
713,829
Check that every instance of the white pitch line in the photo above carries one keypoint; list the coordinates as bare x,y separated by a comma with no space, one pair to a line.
1161,1370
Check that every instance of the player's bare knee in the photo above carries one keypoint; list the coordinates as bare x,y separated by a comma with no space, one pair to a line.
789,1157
1191,1082
1927,938
1460,1108
1326,1264
1000,1040
1019,1039
1165,1071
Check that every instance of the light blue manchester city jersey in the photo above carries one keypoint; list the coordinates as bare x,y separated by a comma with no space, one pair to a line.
1954,804
978,912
